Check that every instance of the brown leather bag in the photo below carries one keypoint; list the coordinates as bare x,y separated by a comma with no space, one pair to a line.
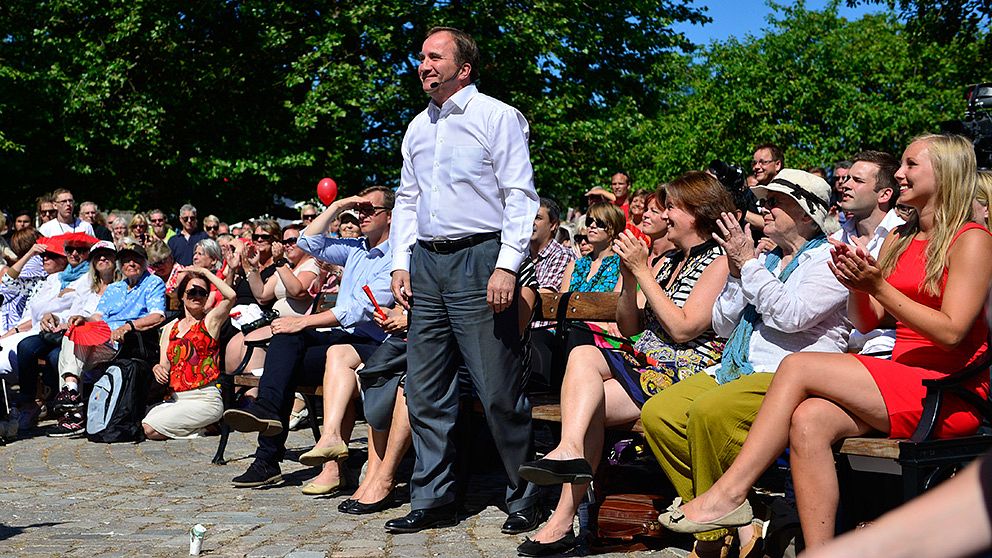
625,516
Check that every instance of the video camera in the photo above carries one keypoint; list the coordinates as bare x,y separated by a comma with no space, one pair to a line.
977,123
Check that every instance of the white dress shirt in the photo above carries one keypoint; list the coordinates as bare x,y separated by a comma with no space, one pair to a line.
806,313
466,170
877,342
56,227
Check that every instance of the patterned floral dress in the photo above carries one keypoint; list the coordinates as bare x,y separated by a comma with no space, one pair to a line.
195,358
656,361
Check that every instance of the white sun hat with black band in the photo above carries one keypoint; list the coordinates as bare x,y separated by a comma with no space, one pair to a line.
811,192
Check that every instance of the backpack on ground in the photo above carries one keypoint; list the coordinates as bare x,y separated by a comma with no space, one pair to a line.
117,402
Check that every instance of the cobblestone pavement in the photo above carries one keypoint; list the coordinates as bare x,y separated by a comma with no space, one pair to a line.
70,497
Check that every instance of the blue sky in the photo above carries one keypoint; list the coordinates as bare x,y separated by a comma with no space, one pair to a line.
741,17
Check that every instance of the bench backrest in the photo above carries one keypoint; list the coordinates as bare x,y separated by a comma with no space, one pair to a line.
592,307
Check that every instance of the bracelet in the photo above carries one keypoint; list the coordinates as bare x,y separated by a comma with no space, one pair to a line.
17,329
130,323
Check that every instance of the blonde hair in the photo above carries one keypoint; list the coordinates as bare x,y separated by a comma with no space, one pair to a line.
955,175
984,192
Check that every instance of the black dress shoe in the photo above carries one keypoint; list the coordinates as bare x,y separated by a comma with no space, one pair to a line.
345,504
548,472
418,520
358,508
259,473
560,546
524,520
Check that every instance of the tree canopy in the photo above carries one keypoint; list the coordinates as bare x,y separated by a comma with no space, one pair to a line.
230,103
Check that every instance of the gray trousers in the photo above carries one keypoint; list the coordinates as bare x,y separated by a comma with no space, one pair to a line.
450,317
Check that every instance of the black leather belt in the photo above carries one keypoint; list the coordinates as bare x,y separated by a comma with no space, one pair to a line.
451,246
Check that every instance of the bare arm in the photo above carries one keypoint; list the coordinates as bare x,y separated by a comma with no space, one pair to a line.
297,286
566,278
217,315
969,272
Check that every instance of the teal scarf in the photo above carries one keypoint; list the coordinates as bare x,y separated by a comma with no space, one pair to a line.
72,273
736,354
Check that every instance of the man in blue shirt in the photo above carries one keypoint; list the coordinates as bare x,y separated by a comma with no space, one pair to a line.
184,242
297,352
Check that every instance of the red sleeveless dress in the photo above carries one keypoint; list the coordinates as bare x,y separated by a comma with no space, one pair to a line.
915,358
195,358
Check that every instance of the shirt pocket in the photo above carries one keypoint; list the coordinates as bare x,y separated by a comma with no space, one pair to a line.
466,164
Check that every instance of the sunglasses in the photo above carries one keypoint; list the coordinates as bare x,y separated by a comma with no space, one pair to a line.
156,265
196,292
50,255
262,237
157,221
188,218
77,249
768,203
212,227
140,226
369,209
308,217
592,222
49,212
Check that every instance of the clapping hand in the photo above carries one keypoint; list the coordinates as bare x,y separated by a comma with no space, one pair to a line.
736,242
632,251
854,267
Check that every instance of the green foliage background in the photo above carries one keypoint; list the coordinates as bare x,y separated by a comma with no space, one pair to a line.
229,103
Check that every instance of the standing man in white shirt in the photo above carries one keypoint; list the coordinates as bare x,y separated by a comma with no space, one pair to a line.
64,221
867,195
463,220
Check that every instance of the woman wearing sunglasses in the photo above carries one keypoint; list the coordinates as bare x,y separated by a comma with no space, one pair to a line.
598,272
190,360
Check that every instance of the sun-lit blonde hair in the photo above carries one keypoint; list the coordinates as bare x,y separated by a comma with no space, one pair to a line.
984,193
955,175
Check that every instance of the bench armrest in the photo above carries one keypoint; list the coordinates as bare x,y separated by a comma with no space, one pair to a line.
954,384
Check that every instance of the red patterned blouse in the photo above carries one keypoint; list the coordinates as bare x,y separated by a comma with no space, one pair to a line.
195,358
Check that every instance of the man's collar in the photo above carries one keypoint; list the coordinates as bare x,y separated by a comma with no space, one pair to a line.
548,249
457,101
382,247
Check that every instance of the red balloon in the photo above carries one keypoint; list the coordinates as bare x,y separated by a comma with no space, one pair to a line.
327,190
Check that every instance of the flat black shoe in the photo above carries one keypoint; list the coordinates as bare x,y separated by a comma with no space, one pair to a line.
549,472
560,546
253,419
524,520
358,508
418,520
259,473
345,504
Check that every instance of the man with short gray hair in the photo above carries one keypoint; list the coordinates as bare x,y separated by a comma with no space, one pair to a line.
184,242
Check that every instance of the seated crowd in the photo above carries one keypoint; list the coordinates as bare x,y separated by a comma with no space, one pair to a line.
829,302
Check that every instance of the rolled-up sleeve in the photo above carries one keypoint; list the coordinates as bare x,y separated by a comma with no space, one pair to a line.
811,293
508,133
155,296
331,250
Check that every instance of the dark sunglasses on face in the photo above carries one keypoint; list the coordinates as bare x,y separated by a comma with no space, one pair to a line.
188,218
157,221
77,249
308,217
212,227
49,212
768,203
51,256
590,221
369,209
156,265
261,237
196,292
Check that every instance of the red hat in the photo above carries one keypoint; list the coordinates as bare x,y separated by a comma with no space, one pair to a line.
55,244
79,239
